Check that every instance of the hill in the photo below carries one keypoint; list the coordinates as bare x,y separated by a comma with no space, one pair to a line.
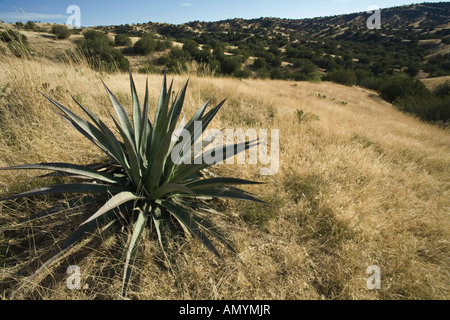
360,184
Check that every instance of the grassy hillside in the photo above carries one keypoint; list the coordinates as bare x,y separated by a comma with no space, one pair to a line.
360,184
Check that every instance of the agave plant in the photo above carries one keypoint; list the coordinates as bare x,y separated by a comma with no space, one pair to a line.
143,188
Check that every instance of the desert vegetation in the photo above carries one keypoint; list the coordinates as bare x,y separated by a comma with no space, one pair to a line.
361,181
360,184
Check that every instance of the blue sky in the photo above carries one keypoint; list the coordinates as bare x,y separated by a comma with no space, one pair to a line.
115,12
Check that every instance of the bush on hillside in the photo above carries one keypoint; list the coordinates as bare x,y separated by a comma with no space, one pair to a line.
345,76
17,43
61,31
122,40
401,86
145,45
443,90
101,55
427,107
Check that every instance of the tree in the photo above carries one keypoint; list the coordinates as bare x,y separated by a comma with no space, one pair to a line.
402,86
122,40
61,31
260,63
346,77
145,45
101,55
230,65
30,25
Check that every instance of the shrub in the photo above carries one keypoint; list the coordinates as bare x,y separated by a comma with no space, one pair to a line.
346,77
61,31
12,35
372,83
401,86
427,107
162,45
145,45
17,42
122,40
145,185
277,74
230,65
442,90
243,74
260,63
100,54
30,25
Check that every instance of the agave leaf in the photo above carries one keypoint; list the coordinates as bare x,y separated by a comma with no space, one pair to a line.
67,168
119,154
146,127
138,229
160,110
135,171
170,188
156,171
186,218
195,132
163,228
87,129
137,116
198,115
87,188
121,114
218,182
113,203
187,170
208,225
160,130
226,192
177,106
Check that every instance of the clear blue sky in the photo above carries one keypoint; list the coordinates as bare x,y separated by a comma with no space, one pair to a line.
115,12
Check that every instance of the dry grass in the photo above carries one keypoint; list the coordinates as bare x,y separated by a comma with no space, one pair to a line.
360,185
432,83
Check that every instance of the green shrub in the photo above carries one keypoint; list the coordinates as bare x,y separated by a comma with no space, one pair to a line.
13,35
442,90
145,45
61,31
100,54
30,25
372,83
230,65
427,107
345,76
162,45
401,86
260,63
277,74
122,40
17,43
243,74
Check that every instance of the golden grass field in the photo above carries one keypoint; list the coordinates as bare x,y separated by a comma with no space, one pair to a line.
361,184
